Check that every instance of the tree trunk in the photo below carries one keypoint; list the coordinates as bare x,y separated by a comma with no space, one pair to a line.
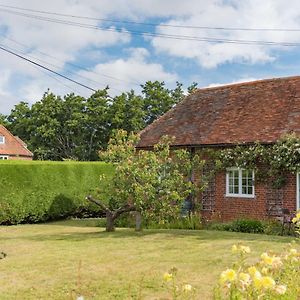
110,220
138,221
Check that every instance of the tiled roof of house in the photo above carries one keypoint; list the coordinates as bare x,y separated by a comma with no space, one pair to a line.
13,145
248,112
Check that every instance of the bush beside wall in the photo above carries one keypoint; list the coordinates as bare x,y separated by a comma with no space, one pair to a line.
37,191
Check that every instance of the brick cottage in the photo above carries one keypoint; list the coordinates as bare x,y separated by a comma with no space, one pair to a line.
224,116
12,147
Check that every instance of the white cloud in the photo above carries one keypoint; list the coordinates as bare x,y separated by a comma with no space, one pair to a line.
241,80
132,71
67,43
235,13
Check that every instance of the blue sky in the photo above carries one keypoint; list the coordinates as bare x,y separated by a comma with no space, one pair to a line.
123,61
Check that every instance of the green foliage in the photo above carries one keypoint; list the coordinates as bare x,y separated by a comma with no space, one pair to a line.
40,191
153,182
158,99
74,127
3,120
240,225
247,225
192,222
270,162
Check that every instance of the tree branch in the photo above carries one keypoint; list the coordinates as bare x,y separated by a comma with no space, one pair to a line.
123,209
97,202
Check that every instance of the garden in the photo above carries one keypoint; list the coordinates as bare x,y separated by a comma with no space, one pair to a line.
62,241
73,258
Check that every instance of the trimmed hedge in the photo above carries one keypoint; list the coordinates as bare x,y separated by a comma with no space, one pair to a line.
37,191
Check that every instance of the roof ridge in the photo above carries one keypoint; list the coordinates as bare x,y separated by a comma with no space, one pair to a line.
237,84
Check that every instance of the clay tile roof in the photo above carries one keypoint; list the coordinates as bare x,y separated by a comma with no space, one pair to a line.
248,112
13,145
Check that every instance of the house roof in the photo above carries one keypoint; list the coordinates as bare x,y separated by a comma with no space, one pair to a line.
258,111
13,145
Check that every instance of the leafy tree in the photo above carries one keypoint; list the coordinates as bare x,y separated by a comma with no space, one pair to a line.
158,99
74,127
3,120
192,88
127,112
152,183
19,120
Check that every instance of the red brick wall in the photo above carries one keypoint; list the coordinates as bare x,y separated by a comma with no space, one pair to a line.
229,208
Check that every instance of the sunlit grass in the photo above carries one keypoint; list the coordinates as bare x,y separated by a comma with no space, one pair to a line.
64,259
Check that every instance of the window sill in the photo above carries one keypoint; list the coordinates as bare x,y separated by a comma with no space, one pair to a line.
239,196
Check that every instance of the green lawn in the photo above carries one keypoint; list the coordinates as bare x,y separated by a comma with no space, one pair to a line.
63,259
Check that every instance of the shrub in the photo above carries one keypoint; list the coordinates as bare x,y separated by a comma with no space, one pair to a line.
38,191
191,222
249,226
241,225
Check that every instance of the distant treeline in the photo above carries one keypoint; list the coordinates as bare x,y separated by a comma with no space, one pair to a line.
74,127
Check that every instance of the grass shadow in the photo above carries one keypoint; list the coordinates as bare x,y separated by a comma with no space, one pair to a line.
124,233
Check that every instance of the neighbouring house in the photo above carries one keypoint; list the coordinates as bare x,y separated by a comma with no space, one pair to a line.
224,116
12,147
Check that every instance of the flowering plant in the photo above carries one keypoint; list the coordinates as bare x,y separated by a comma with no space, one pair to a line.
178,290
296,221
274,276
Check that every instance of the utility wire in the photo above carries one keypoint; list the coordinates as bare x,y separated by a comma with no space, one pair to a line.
79,67
46,68
56,79
50,64
161,35
150,24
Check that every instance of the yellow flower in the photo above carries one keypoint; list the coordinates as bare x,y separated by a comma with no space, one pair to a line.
187,288
293,251
253,272
234,249
295,220
280,289
298,215
267,282
245,278
268,260
240,249
264,282
168,277
245,249
228,275
257,282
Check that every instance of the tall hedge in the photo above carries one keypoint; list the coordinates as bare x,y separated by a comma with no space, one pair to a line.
36,191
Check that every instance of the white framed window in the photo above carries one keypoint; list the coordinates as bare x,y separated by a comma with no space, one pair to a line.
2,139
239,183
3,157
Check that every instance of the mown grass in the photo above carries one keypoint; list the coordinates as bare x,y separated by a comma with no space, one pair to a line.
65,259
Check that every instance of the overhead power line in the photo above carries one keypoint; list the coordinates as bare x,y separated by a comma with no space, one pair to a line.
150,24
51,64
79,67
152,34
45,68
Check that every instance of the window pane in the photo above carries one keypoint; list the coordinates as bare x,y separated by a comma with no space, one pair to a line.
233,181
247,182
